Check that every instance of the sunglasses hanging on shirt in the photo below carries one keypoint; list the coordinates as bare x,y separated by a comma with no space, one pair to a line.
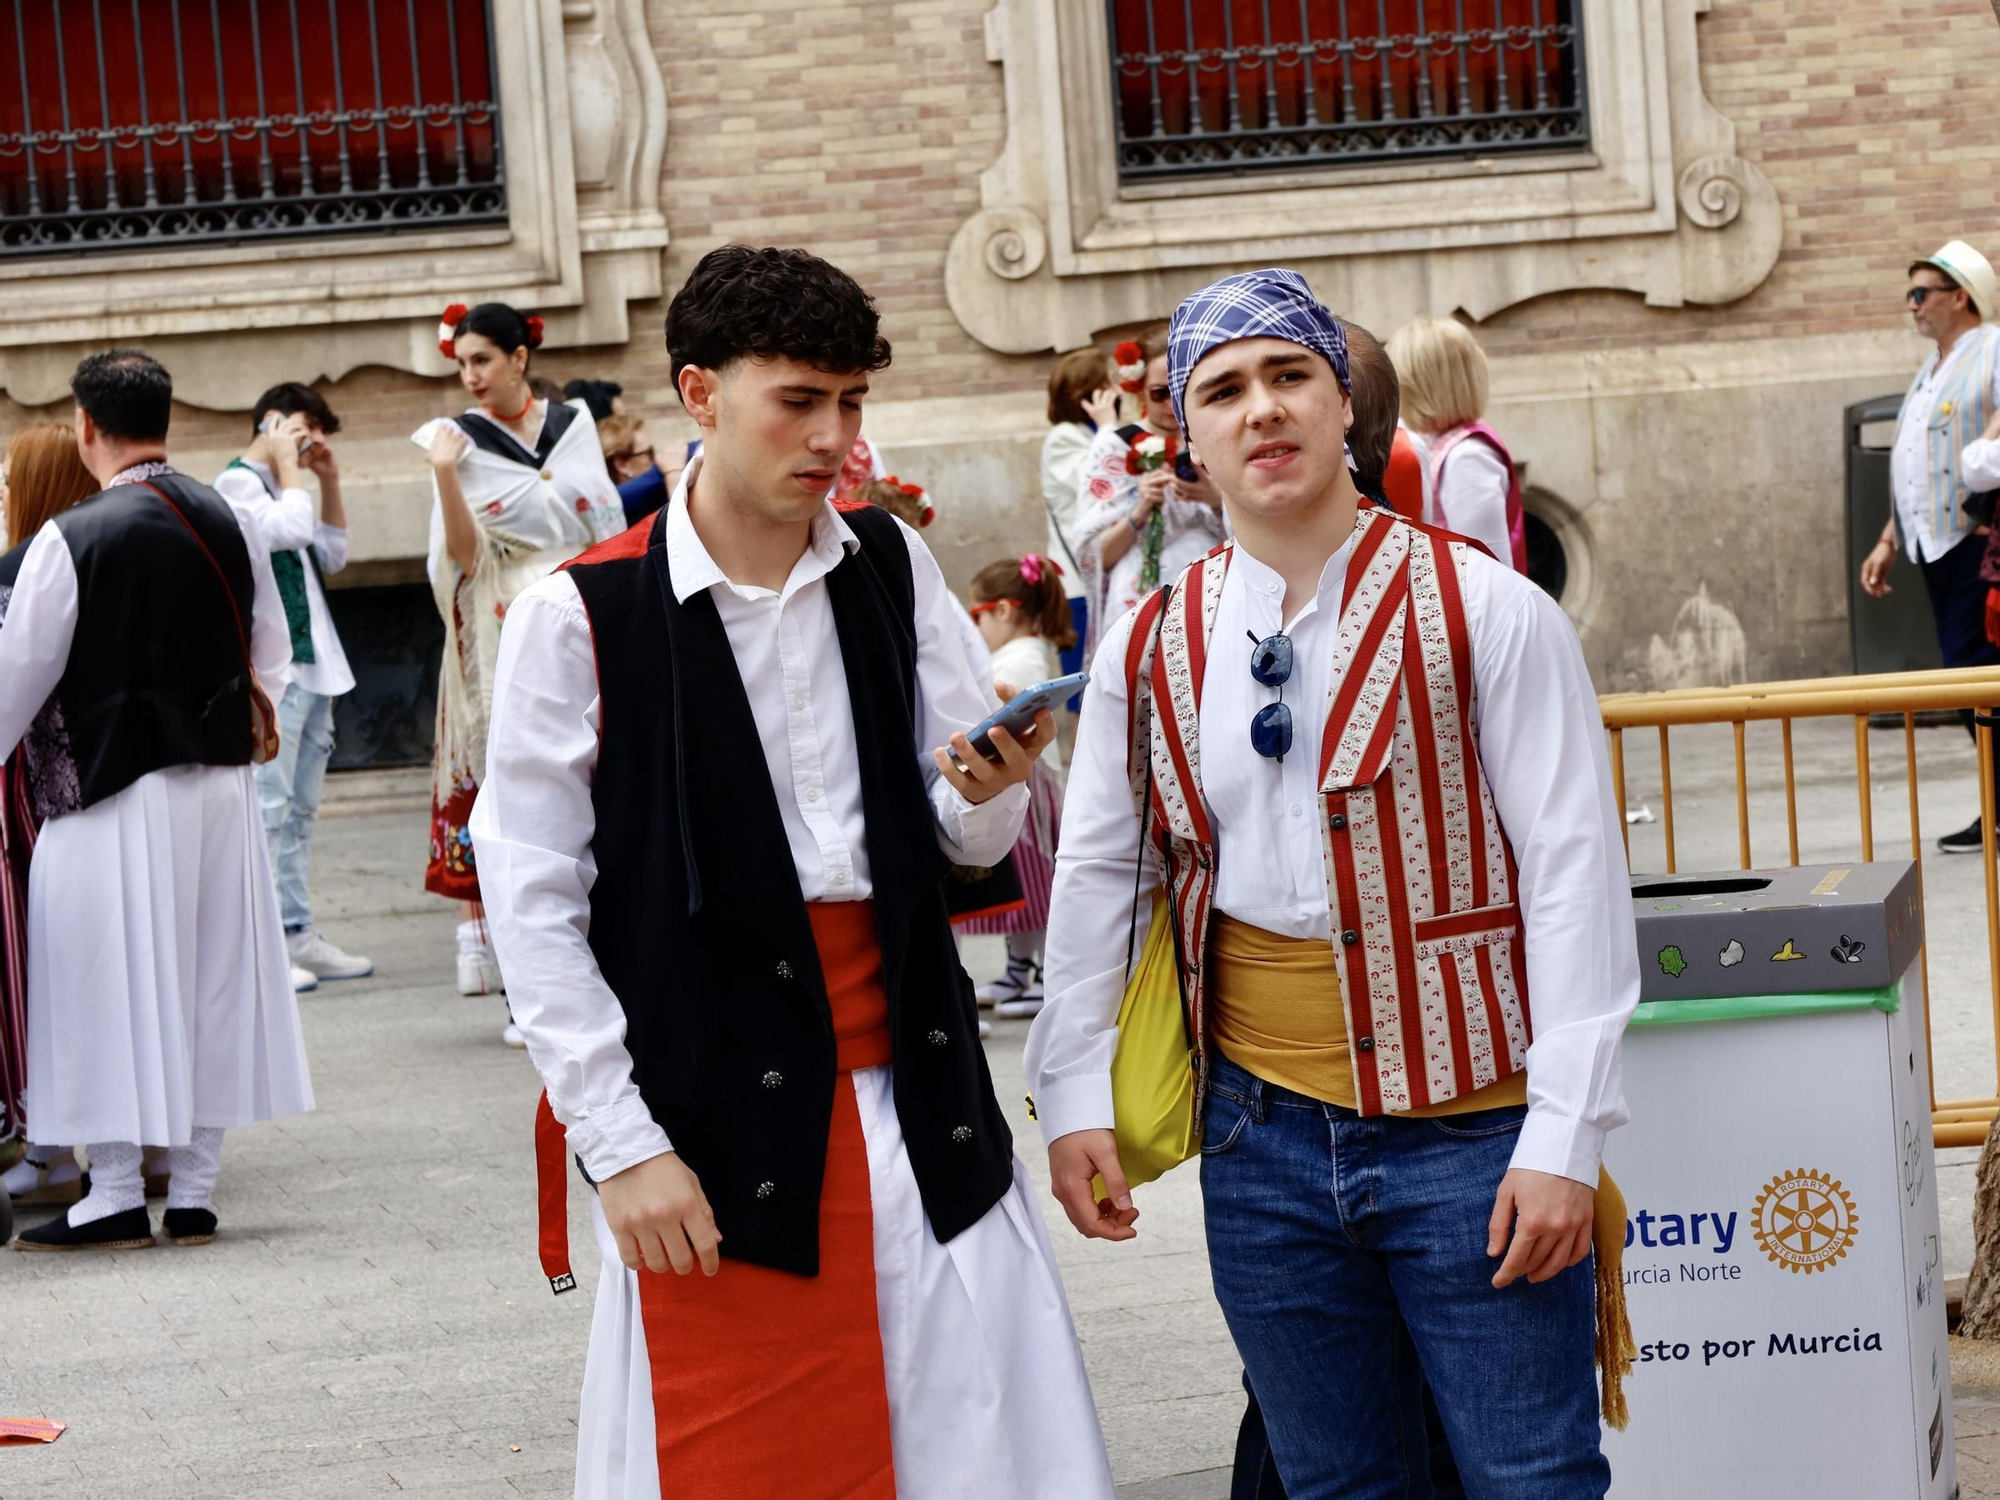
1271,665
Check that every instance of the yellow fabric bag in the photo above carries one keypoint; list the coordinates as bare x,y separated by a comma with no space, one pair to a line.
1152,1076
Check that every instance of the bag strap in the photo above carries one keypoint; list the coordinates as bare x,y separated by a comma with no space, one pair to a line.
235,609
1146,630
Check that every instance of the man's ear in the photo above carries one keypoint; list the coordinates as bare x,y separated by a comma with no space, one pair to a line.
86,429
698,388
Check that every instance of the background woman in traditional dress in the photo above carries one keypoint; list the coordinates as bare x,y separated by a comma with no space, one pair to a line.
1474,488
521,487
1144,511
45,475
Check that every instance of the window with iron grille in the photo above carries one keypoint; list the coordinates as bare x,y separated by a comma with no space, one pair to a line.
1235,86
135,124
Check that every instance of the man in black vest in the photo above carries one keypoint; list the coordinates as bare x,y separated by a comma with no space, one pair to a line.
727,769
160,1006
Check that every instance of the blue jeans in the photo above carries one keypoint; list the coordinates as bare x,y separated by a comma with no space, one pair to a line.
288,791
1328,1235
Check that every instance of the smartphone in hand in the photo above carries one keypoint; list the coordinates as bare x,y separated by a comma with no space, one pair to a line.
1018,716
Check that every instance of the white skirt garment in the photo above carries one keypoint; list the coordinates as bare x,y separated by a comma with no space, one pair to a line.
987,1394
159,991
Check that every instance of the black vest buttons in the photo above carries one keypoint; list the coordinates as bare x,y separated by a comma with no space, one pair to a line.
962,1134
1350,937
774,1079
937,1039
1366,1044
765,1189
1338,822
784,969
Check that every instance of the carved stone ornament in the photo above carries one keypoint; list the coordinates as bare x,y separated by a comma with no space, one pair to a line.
584,125
1657,202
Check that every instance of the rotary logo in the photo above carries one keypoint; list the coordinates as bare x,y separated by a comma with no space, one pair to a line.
1804,1220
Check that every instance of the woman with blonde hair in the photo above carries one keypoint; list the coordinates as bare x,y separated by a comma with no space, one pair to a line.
44,476
1474,489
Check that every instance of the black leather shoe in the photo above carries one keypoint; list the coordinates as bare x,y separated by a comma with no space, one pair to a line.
188,1226
131,1230
1968,840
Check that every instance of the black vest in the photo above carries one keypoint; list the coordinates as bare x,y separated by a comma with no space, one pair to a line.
156,674
700,928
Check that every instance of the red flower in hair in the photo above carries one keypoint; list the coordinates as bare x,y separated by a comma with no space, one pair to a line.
448,329
1131,362
536,328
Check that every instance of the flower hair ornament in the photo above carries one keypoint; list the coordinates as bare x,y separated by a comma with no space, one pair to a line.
1034,568
448,329
927,512
536,328
1131,362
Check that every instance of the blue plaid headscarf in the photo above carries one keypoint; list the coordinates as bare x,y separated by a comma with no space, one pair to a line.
1274,304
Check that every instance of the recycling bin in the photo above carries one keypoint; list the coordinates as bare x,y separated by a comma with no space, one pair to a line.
1782,1262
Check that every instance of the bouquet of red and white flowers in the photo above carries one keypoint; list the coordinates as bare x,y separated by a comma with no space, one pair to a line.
1148,453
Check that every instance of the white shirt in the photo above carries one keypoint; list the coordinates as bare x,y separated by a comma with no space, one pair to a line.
1063,452
533,822
290,523
1542,749
41,623
1909,459
1468,494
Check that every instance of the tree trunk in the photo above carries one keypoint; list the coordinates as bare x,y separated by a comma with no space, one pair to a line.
1981,1317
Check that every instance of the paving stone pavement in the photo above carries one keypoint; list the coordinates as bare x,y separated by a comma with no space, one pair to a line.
373,1320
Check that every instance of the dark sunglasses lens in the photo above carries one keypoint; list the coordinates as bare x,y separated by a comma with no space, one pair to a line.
1271,731
1271,662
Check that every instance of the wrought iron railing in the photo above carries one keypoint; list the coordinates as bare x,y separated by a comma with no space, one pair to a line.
1206,86
140,123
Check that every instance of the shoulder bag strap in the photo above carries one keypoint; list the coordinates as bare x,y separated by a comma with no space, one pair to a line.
235,609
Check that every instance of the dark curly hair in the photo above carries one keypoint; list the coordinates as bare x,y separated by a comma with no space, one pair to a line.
293,397
742,301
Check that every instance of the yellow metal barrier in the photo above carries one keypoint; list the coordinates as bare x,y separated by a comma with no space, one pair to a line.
1954,1122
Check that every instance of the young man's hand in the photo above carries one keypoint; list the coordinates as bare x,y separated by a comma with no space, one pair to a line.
319,458
979,779
1550,1218
1076,1158
660,1217
285,440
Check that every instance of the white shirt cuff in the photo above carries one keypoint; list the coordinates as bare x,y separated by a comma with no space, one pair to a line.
1560,1146
618,1136
1080,1101
982,833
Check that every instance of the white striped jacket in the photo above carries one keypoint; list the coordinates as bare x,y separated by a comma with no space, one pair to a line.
1420,878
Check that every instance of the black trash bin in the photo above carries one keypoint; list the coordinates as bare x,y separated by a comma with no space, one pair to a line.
1893,634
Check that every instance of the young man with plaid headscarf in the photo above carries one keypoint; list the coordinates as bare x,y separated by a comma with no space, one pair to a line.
1403,935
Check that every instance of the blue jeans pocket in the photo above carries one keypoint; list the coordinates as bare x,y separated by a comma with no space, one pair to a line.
1222,1122
1482,1122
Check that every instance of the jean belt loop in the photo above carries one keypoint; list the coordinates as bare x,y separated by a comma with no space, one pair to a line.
1257,1102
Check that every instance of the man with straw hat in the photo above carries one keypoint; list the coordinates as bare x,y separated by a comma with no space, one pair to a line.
1951,296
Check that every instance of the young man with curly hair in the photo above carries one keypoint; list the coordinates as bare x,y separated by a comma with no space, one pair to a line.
727,767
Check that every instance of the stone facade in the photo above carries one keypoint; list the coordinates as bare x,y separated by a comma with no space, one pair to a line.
1671,372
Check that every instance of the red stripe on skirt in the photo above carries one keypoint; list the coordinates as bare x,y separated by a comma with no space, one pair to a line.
767,1385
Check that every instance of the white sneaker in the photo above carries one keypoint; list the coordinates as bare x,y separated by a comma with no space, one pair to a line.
479,973
985,1028
310,950
303,980
512,1036
1015,1010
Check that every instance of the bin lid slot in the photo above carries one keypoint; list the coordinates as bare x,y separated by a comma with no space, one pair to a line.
1710,885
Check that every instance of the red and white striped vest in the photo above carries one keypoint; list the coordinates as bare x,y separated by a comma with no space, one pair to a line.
1420,878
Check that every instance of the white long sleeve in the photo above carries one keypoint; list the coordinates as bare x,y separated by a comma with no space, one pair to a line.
1471,497
1544,758
34,645
534,822
289,519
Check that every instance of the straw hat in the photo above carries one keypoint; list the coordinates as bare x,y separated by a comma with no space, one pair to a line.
1971,270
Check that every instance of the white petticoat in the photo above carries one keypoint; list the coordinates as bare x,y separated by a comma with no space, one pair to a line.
987,1394
159,990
